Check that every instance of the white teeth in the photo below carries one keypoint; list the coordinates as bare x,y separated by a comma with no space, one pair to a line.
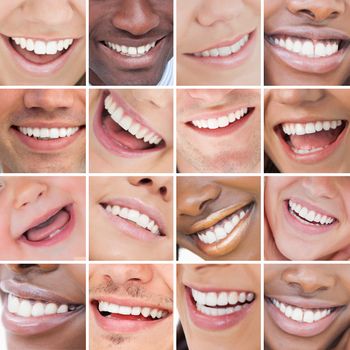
306,47
309,128
299,314
130,125
224,51
220,122
104,306
131,51
45,133
309,215
30,308
41,47
135,216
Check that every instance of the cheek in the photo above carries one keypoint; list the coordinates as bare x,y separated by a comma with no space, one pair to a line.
271,6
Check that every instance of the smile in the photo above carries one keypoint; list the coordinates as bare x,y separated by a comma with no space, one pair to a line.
131,51
48,133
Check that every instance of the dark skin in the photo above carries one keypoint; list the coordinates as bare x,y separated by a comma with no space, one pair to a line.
133,24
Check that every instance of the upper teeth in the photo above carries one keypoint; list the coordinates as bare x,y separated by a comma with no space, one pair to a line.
220,122
306,47
131,310
221,229
212,299
309,128
48,133
130,125
133,215
131,50
225,50
41,47
301,315
27,308
310,215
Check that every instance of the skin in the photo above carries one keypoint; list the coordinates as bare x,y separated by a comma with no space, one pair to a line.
198,152
327,193
152,191
313,14
246,334
314,104
201,24
65,280
327,283
35,106
197,198
132,23
49,19
152,282
155,107
24,200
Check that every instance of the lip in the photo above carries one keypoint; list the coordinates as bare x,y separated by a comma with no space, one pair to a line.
41,69
102,134
301,329
207,322
130,228
228,62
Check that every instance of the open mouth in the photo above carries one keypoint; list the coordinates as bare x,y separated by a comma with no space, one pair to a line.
217,309
221,232
131,51
50,229
311,140
124,132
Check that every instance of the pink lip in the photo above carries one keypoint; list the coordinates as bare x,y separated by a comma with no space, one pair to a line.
41,69
231,61
102,135
204,321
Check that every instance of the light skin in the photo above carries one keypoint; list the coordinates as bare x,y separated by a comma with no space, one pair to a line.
135,283
311,15
132,24
245,334
41,108
325,283
29,201
283,240
201,25
46,20
155,108
155,192
65,280
209,152
311,105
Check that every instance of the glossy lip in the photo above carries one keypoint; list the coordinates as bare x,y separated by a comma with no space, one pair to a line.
233,239
102,135
301,329
207,322
41,69
130,228
315,156
64,234
306,64
231,61
34,325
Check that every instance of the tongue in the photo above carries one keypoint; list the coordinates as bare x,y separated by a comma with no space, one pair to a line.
119,135
43,231
319,139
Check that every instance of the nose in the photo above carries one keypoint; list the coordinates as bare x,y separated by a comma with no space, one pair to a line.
297,96
320,186
128,273
193,197
28,191
48,99
317,10
137,17
24,268
308,279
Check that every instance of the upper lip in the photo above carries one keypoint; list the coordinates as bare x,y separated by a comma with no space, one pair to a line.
208,288
302,119
49,125
306,302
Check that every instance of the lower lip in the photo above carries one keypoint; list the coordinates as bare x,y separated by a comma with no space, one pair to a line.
41,69
231,61
306,64
213,322
118,149
300,329
47,146
61,236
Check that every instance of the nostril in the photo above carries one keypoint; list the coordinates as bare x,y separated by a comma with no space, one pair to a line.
145,181
203,204
163,190
307,13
